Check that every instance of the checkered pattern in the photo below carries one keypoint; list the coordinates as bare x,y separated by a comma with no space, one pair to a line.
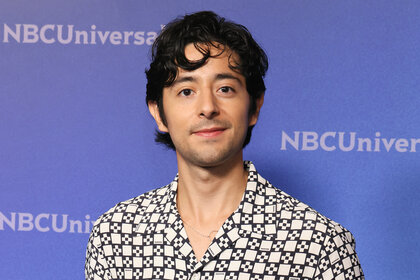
270,236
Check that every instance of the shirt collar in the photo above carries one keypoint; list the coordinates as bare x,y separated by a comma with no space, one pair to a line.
255,213
257,204
254,216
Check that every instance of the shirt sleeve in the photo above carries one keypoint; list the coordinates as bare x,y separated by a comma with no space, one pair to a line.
338,258
96,267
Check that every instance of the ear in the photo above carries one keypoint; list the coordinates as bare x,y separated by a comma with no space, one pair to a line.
254,117
154,111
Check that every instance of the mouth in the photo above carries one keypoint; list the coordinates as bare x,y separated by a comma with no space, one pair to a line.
209,132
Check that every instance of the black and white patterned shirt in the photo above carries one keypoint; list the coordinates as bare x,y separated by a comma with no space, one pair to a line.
270,236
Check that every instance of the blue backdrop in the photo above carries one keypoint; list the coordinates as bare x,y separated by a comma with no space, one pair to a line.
339,130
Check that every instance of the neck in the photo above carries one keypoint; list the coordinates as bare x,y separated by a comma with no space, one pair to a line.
208,195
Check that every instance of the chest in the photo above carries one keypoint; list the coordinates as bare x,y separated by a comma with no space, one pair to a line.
246,258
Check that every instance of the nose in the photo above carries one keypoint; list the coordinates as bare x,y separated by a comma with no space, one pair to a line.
208,106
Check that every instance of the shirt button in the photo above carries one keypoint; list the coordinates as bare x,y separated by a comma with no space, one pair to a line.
195,276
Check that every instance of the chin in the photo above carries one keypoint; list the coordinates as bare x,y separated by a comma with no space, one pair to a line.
212,159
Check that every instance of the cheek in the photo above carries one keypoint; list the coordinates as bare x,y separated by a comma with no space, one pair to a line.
241,118
245,116
168,110
176,120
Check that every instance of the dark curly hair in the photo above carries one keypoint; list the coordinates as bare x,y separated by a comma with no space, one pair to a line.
208,29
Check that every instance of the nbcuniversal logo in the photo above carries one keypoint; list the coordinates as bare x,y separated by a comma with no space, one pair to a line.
345,141
44,222
68,34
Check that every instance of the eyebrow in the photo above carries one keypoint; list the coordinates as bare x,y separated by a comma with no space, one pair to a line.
218,77
228,76
183,80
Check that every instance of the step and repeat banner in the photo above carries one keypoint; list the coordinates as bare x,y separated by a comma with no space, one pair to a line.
339,130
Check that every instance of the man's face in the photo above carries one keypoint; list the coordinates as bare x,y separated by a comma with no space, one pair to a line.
207,111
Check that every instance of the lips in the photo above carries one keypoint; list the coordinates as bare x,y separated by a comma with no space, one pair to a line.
210,132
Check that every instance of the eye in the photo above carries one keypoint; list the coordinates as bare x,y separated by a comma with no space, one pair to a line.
185,92
226,89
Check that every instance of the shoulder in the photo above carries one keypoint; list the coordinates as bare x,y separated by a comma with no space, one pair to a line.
295,216
125,215
300,226
305,233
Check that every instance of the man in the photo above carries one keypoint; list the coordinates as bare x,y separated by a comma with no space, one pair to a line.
219,219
